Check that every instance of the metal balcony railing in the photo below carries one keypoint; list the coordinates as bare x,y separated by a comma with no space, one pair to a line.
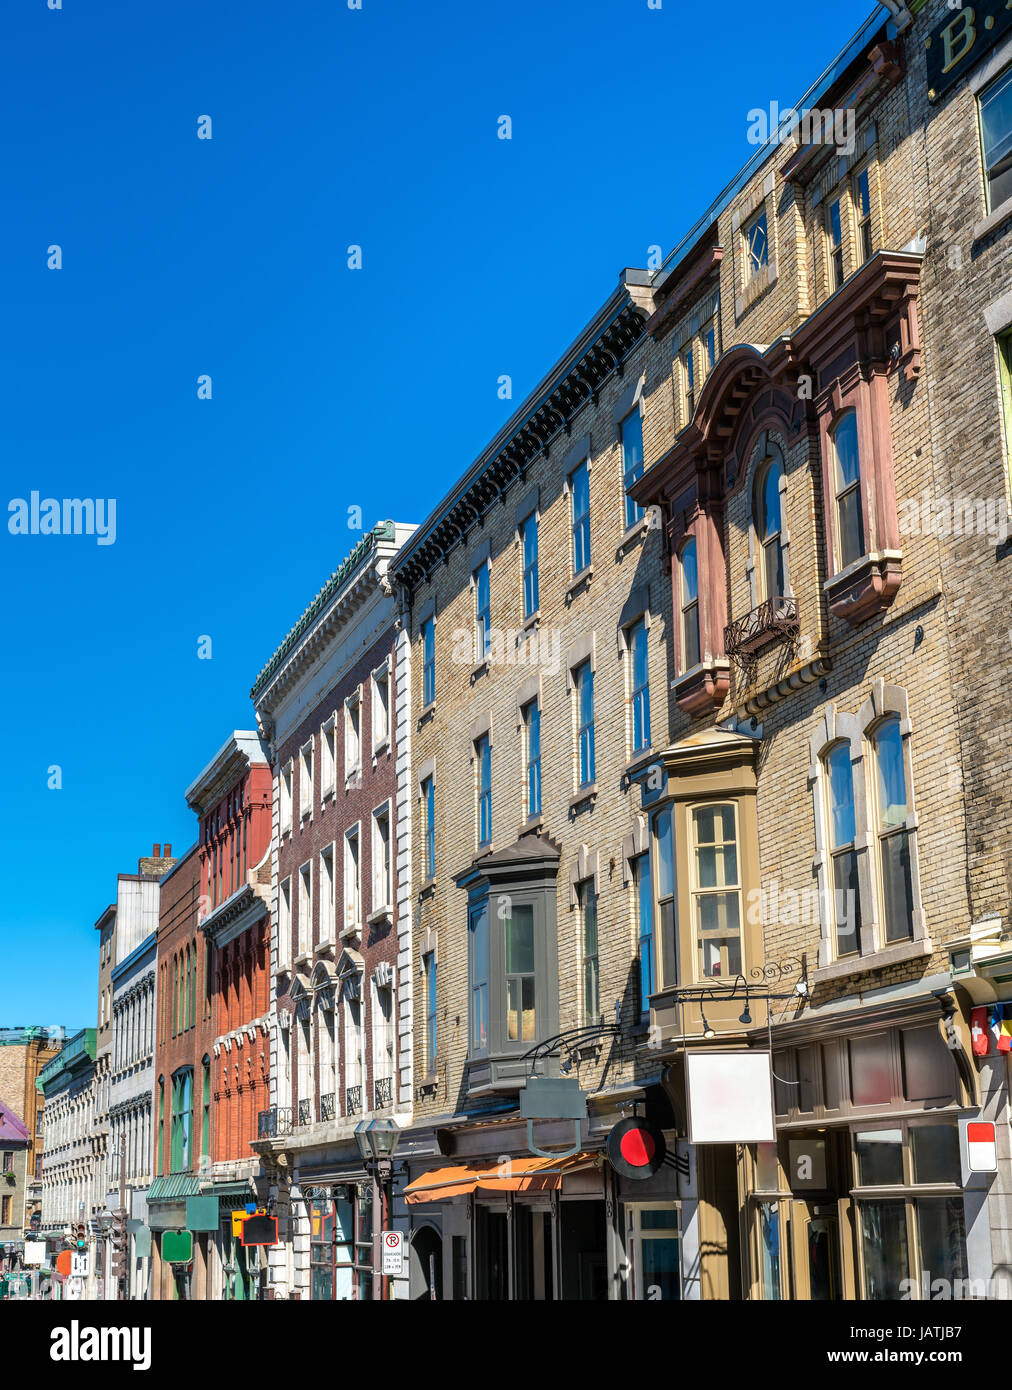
384,1088
774,620
353,1097
305,1113
328,1106
277,1120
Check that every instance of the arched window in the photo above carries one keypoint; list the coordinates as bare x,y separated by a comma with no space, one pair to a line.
843,909
689,603
205,1102
175,995
847,490
766,516
186,989
892,835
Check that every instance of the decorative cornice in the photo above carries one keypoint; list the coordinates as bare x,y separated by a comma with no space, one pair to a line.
359,559
545,416
236,914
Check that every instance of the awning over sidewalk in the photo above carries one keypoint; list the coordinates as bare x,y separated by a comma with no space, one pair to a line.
512,1175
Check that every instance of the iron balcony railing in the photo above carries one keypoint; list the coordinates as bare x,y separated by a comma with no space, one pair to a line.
774,620
277,1120
305,1113
328,1106
384,1088
353,1096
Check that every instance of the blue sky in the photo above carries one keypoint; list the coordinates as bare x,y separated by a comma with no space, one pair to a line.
331,388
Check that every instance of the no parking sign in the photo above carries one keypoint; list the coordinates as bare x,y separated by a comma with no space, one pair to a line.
392,1245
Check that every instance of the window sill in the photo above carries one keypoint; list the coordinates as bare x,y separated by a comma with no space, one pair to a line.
866,587
326,947
876,960
634,531
382,914
429,886
327,791
530,624
283,969
579,581
586,795
479,669
994,220
303,958
532,825
703,687
382,747
353,774
350,933
639,760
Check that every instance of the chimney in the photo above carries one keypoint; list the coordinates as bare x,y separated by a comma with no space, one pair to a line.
156,851
168,852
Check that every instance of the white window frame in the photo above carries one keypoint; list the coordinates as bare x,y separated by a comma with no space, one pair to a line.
328,758
305,923
353,881
285,923
327,880
382,892
306,780
285,798
381,726
353,708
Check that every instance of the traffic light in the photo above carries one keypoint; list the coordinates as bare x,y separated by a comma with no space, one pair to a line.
80,1236
118,1243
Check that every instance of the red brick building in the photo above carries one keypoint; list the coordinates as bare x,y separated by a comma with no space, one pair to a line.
184,1035
232,798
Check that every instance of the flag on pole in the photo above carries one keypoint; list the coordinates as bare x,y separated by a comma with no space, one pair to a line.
978,1032
1005,1039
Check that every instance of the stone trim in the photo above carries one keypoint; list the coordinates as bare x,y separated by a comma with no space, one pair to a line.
628,401
481,552
585,866
529,689
575,456
634,844
481,725
528,504
583,649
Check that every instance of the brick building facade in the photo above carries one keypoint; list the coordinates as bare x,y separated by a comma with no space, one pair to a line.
327,702
23,1054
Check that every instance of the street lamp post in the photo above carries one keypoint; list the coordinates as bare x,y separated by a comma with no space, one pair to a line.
377,1142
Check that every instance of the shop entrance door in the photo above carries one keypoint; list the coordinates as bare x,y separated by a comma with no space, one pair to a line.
817,1266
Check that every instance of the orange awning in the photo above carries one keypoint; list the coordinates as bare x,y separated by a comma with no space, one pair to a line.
528,1174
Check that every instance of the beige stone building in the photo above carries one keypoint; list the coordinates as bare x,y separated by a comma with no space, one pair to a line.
806,856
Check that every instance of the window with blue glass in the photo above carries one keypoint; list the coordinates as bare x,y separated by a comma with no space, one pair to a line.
585,722
430,1012
529,531
532,727
645,919
483,753
482,602
631,433
428,661
429,797
477,950
579,482
640,686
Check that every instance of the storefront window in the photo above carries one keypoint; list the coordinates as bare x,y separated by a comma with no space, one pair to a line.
879,1157
654,1248
340,1246
884,1246
935,1151
770,1287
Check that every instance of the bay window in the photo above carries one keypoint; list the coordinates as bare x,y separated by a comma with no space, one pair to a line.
848,505
716,891
477,953
518,929
689,605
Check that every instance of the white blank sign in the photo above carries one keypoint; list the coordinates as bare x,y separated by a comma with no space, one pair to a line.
730,1097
